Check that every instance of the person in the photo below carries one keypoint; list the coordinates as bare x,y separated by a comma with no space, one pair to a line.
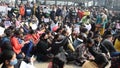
99,62
98,21
22,10
78,40
85,20
58,44
17,43
28,10
28,48
32,36
117,44
104,22
58,61
117,25
9,60
52,14
5,41
34,9
90,44
109,45
42,48
98,46
83,53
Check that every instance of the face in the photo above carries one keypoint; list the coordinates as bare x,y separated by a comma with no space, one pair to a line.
99,39
12,62
21,29
90,44
49,35
111,39
59,38
46,36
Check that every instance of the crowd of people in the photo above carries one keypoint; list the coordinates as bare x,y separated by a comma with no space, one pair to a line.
89,36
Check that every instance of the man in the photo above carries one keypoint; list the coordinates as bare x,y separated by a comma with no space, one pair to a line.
108,43
98,46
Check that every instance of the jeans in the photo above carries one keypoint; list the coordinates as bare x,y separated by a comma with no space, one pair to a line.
114,54
27,49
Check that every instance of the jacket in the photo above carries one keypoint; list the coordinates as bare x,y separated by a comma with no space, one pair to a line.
16,45
22,11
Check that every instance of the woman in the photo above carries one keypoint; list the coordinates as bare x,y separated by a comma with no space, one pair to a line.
17,43
9,60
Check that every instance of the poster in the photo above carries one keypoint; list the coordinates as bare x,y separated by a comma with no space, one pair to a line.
7,24
1,31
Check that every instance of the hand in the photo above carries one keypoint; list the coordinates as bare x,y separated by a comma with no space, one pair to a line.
32,59
108,55
49,49
23,55
26,42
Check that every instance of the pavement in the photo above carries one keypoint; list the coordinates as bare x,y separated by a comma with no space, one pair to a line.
45,65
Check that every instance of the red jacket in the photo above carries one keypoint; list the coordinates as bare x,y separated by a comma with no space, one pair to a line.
22,10
16,45
32,37
80,14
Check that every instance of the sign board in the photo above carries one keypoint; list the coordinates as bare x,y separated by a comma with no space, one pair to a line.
1,31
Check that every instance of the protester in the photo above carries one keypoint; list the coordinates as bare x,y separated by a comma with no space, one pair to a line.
109,45
49,31
17,43
8,58
5,41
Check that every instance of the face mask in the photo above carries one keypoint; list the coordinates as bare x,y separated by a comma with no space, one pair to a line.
14,62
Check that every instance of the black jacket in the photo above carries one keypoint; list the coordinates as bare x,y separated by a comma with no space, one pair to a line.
42,47
58,46
109,45
99,47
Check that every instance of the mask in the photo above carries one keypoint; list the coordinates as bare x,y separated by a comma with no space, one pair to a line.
14,62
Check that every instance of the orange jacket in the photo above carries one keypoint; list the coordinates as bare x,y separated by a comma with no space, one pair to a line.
22,11
32,37
16,45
